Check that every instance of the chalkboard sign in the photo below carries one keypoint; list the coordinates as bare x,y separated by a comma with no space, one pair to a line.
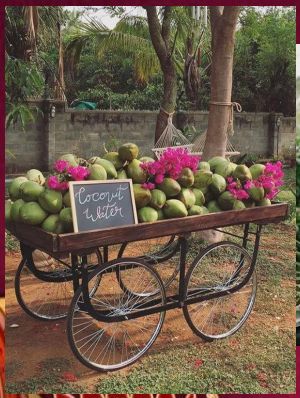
102,204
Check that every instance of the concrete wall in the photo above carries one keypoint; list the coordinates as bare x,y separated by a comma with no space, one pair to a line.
85,132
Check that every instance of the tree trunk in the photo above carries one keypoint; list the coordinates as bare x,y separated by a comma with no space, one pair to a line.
223,25
160,37
168,102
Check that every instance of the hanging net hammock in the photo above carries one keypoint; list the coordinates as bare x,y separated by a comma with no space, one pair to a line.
200,141
199,146
170,138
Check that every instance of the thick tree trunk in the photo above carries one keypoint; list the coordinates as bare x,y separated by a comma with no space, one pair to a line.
160,37
223,25
168,102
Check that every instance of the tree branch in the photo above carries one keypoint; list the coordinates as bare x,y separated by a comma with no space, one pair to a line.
156,34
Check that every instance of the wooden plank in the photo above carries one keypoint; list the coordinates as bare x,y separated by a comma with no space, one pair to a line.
73,241
76,242
34,237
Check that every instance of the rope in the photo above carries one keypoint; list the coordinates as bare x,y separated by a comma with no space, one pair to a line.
230,130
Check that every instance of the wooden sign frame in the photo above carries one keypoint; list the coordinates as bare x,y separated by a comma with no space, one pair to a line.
99,182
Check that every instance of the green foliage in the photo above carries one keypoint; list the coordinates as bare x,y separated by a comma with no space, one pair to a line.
264,63
23,81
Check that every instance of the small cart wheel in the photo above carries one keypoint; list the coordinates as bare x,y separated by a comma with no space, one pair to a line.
44,285
108,346
162,253
222,266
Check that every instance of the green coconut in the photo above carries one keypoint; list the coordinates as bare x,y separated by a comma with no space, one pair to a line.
264,202
202,179
160,214
146,159
30,191
36,176
8,205
242,172
213,207
32,213
15,210
14,188
238,205
257,170
204,166
97,172
114,158
66,199
199,195
217,185
215,162
53,224
170,187
65,216
135,172
186,178
187,197
128,152
70,158
256,193
121,174
147,214
158,199
225,169
197,210
174,208
108,166
226,200
51,201
142,196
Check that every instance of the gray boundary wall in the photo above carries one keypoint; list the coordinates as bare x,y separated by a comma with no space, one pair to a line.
85,132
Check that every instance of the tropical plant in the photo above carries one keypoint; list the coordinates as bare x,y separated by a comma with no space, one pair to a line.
30,36
157,44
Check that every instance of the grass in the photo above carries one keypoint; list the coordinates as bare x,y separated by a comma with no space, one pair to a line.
11,243
50,378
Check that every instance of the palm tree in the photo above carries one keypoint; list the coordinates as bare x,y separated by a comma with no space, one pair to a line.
156,43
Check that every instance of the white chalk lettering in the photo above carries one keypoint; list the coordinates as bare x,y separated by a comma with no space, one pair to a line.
84,197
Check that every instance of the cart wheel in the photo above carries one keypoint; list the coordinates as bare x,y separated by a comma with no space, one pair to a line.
221,266
45,288
114,345
162,253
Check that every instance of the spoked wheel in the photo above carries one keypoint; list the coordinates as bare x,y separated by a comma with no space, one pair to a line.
222,266
110,346
162,253
44,285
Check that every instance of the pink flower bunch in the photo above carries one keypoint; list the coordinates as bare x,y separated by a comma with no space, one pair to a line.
78,173
170,164
64,173
54,182
148,185
236,188
61,166
270,181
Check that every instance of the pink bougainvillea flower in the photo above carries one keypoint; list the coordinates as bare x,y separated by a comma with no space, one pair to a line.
57,185
61,166
159,178
171,164
78,173
148,185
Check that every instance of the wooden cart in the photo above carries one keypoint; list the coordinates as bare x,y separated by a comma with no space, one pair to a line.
116,308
